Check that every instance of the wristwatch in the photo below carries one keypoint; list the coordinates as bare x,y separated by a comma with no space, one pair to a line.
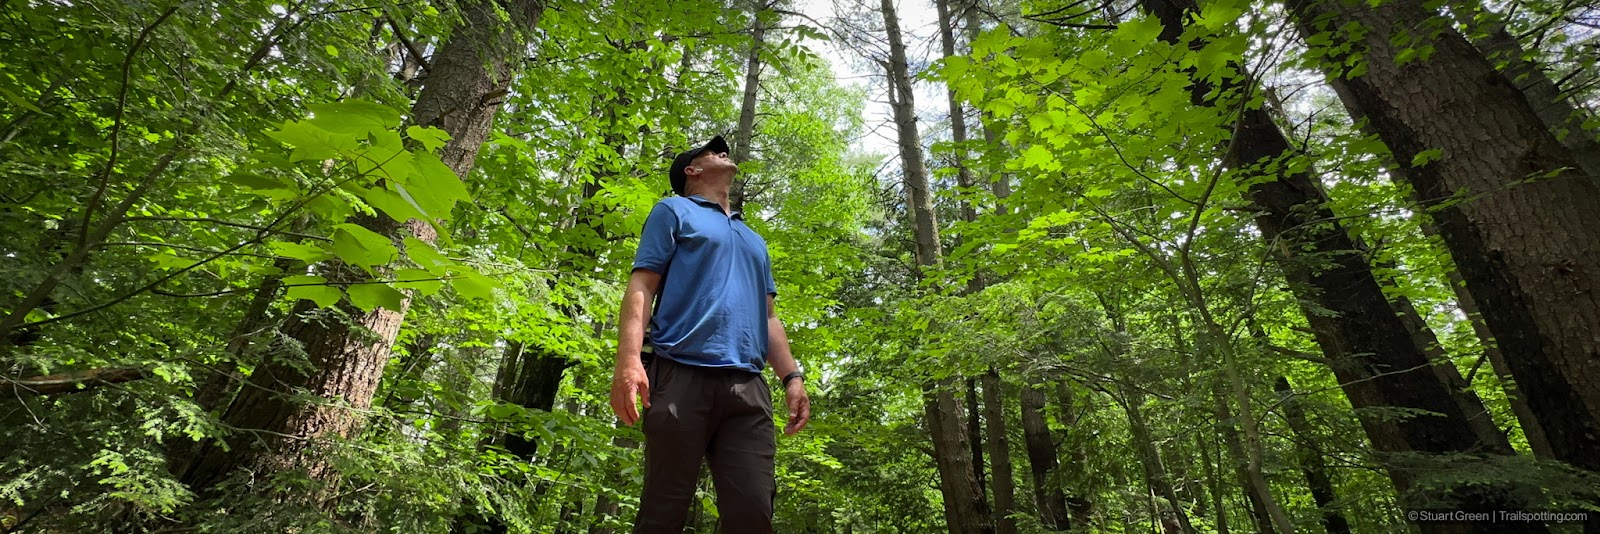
791,376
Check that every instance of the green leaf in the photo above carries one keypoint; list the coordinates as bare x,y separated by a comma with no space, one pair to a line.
436,188
311,288
397,206
311,142
1037,156
430,137
370,296
355,117
1427,156
300,251
423,281
333,51
362,247
427,257
472,284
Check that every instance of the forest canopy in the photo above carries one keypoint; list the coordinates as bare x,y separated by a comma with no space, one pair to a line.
1170,266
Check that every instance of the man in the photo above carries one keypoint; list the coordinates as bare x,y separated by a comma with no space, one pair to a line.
713,330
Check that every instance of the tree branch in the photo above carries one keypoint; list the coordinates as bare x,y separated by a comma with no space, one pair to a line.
75,381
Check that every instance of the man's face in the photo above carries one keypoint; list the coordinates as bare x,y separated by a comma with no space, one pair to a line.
714,162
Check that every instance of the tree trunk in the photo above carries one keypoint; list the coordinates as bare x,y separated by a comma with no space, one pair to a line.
1048,497
1531,430
1379,359
965,509
975,437
1170,516
999,453
747,110
1311,463
1236,457
1554,109
1213,483
347,357
1526,248
1080,508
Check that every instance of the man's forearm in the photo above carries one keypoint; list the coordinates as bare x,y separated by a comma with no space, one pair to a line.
631,320
779,357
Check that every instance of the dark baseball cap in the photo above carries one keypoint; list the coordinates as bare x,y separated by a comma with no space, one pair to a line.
679,179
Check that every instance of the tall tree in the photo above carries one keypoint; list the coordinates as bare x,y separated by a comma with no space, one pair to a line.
965,509
1502,190
467,78
1380,351
745,133
998,445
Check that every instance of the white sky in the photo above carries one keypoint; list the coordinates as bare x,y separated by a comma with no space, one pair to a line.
919,21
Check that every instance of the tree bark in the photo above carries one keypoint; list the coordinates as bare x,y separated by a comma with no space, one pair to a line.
1531,430
965,510
1525,248
747,110
975,437
1080,508
1048,497
1380,360
347,356
1555,110
1311,463
999,453
993,400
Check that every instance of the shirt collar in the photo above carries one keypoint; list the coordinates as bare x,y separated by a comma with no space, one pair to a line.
703,201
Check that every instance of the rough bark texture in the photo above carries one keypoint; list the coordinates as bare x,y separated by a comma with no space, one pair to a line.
747,111
999,453
1047,497
975,437
965,509
346,355
1380,355
1554,108
1527,249
1311,462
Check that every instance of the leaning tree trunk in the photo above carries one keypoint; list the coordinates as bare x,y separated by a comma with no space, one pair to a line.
1171,517
1235,456
1380,360
965,510
347,357
1311,462
1555,110
1516,218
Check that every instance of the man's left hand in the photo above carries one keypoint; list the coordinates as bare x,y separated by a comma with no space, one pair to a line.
799,406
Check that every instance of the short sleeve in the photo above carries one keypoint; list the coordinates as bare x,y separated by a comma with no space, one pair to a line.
772,287
658,241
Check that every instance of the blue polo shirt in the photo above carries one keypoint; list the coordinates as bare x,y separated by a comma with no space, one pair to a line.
716,275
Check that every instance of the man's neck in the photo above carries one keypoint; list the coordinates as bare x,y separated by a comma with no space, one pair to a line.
714,194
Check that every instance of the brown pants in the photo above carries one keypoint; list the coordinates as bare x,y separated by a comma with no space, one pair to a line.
723,416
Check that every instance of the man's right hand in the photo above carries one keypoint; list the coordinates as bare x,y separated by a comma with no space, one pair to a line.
628,380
